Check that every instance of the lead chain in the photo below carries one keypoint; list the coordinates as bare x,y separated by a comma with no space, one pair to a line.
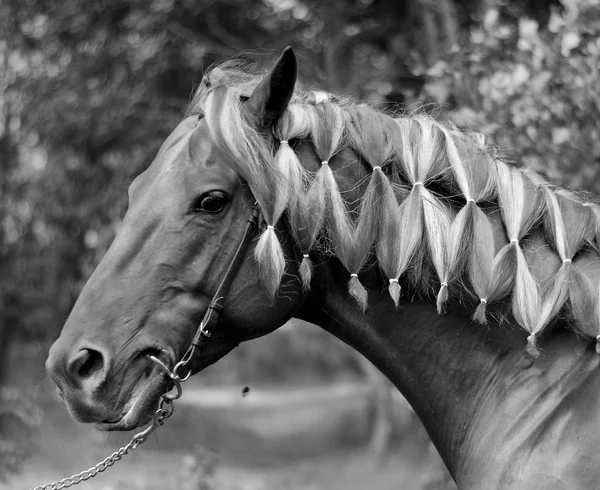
165,410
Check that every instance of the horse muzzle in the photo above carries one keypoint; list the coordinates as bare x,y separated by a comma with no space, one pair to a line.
121,394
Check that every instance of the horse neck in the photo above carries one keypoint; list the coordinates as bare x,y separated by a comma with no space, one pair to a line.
457,375
481,397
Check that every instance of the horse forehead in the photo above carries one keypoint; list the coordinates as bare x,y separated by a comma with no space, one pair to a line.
194,159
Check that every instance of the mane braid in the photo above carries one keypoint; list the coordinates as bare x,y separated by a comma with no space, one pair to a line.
409,229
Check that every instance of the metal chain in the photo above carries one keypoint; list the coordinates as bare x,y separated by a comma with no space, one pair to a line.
165,410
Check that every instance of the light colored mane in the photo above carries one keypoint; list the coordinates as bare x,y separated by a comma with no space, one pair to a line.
403,218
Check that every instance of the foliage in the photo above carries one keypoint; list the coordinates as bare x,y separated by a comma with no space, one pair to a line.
19,418
534,92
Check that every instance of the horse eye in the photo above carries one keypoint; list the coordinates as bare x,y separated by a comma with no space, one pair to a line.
211,202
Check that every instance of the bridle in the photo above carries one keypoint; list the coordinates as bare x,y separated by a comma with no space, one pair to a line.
211,317
206,327
182,370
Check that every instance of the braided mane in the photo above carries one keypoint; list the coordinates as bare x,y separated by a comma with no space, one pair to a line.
404,219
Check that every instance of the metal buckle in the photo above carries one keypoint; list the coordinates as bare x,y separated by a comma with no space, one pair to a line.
203,330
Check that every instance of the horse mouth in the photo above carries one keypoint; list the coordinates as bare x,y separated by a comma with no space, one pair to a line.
140,407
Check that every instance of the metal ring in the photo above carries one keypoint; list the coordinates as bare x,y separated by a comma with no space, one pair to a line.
181,364
167,407
163,366
173,376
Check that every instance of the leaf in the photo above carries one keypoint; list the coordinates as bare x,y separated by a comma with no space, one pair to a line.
520,75
569,42
466,117
540,81
560,136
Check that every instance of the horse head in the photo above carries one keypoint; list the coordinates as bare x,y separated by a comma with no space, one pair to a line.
188,214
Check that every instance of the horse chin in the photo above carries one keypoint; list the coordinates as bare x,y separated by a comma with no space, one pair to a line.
142,404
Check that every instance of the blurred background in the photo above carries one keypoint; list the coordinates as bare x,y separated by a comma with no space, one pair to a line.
89,90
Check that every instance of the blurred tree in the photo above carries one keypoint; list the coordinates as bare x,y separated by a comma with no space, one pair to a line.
532,90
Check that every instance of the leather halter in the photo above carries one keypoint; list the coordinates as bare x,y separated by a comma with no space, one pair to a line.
211,317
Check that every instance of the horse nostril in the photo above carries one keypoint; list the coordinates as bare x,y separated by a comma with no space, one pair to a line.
85,364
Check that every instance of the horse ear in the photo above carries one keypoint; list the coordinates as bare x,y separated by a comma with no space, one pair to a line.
270,98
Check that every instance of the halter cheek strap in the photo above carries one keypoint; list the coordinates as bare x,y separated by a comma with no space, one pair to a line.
211,317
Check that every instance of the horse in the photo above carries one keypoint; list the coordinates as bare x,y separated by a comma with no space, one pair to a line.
470,282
